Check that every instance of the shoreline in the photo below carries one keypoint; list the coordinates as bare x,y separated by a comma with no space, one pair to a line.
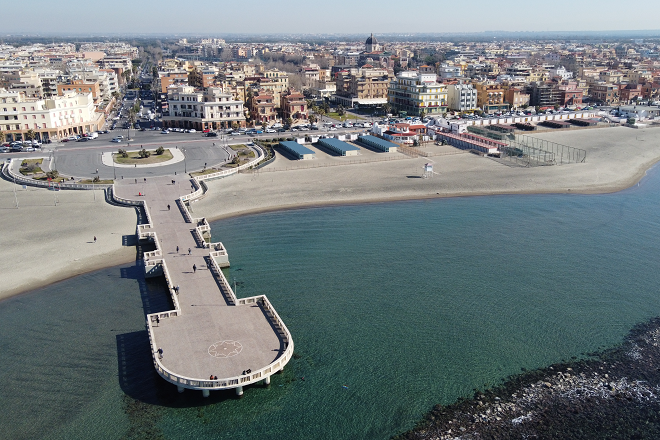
610,391
377,182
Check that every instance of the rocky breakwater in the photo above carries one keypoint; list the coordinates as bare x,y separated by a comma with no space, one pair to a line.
612,394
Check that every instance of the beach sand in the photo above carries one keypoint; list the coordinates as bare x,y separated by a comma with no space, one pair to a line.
42,243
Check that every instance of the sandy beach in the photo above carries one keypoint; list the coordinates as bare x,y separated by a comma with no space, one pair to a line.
42,242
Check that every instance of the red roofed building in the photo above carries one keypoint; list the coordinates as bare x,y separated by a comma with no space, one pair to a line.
293,105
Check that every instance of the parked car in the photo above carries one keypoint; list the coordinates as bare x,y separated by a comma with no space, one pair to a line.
211,134
270,130
165,132
192,130
85,139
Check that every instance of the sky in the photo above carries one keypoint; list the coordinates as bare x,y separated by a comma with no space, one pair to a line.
217,17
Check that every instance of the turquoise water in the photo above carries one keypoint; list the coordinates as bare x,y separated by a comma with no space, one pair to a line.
393,307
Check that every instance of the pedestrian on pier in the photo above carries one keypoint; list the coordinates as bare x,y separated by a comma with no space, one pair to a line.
95,239
136,181
176,289
177,249
168,207
145,180
194,268
157,320
189,250
160,353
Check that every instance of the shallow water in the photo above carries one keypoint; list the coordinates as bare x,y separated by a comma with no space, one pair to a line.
393,307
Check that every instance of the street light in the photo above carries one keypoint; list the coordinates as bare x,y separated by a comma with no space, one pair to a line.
185,166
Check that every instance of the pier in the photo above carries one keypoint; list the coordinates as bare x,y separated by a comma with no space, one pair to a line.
210,340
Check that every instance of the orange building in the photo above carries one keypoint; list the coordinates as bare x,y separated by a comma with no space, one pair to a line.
80,86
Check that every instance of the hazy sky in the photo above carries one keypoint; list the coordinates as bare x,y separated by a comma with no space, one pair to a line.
336,16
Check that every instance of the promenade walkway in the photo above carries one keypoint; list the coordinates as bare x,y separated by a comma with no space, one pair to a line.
210,333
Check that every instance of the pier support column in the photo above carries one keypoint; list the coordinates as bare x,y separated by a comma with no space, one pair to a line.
267,380
206,393
239,391
179,388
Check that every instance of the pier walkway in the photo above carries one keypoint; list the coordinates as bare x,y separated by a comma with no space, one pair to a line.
210,332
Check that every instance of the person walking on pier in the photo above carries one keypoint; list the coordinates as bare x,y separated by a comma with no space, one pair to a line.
194,268
95,239
168,207
177,249
189,250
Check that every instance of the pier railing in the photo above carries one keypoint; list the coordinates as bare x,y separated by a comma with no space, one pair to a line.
229,382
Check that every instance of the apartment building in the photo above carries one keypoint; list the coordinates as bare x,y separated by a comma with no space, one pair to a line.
516,97
50,118
490,97
364,87
262,107
80,86
293,105
208,109
416,93
607,93
461,97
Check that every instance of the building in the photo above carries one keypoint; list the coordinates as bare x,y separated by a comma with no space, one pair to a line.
606,93
461,97
371,45
208,109
544,95
629,92
172,78
51,118
293,105
366,87
80,86
516,97
416,93
490,97
262,107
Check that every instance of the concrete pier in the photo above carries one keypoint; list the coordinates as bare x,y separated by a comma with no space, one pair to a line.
210,339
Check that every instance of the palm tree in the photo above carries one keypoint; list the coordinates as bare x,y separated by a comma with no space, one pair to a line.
132,117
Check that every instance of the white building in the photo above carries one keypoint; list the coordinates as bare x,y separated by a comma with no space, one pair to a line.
561,73
51,118
461,97
210,109
417,93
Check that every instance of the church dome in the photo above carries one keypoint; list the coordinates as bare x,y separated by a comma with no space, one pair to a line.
371,40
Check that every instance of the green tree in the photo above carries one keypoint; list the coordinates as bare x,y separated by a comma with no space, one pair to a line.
52,174
234,125
160,150
30,135
144,153
387,108
289,121
132,117
312,119
340,110
3,136
123,153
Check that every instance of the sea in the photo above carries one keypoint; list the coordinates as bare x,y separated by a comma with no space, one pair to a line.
393,307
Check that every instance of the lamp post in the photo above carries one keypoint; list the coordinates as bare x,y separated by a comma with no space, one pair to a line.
185,166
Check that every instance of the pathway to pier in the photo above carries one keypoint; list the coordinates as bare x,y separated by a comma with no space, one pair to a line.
209,335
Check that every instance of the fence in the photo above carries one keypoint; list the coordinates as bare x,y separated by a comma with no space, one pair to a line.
561,154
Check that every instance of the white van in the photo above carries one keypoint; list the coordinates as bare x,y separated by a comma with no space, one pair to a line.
93,135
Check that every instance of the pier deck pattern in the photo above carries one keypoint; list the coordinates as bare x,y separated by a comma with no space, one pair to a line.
189,340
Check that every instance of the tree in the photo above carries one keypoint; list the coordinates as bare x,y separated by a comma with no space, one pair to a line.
3,136
387,108
289,121
422,114
144,153
30,135
123,153
160,150
52,174
264,124
340,110
312,119
234,125
132,117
